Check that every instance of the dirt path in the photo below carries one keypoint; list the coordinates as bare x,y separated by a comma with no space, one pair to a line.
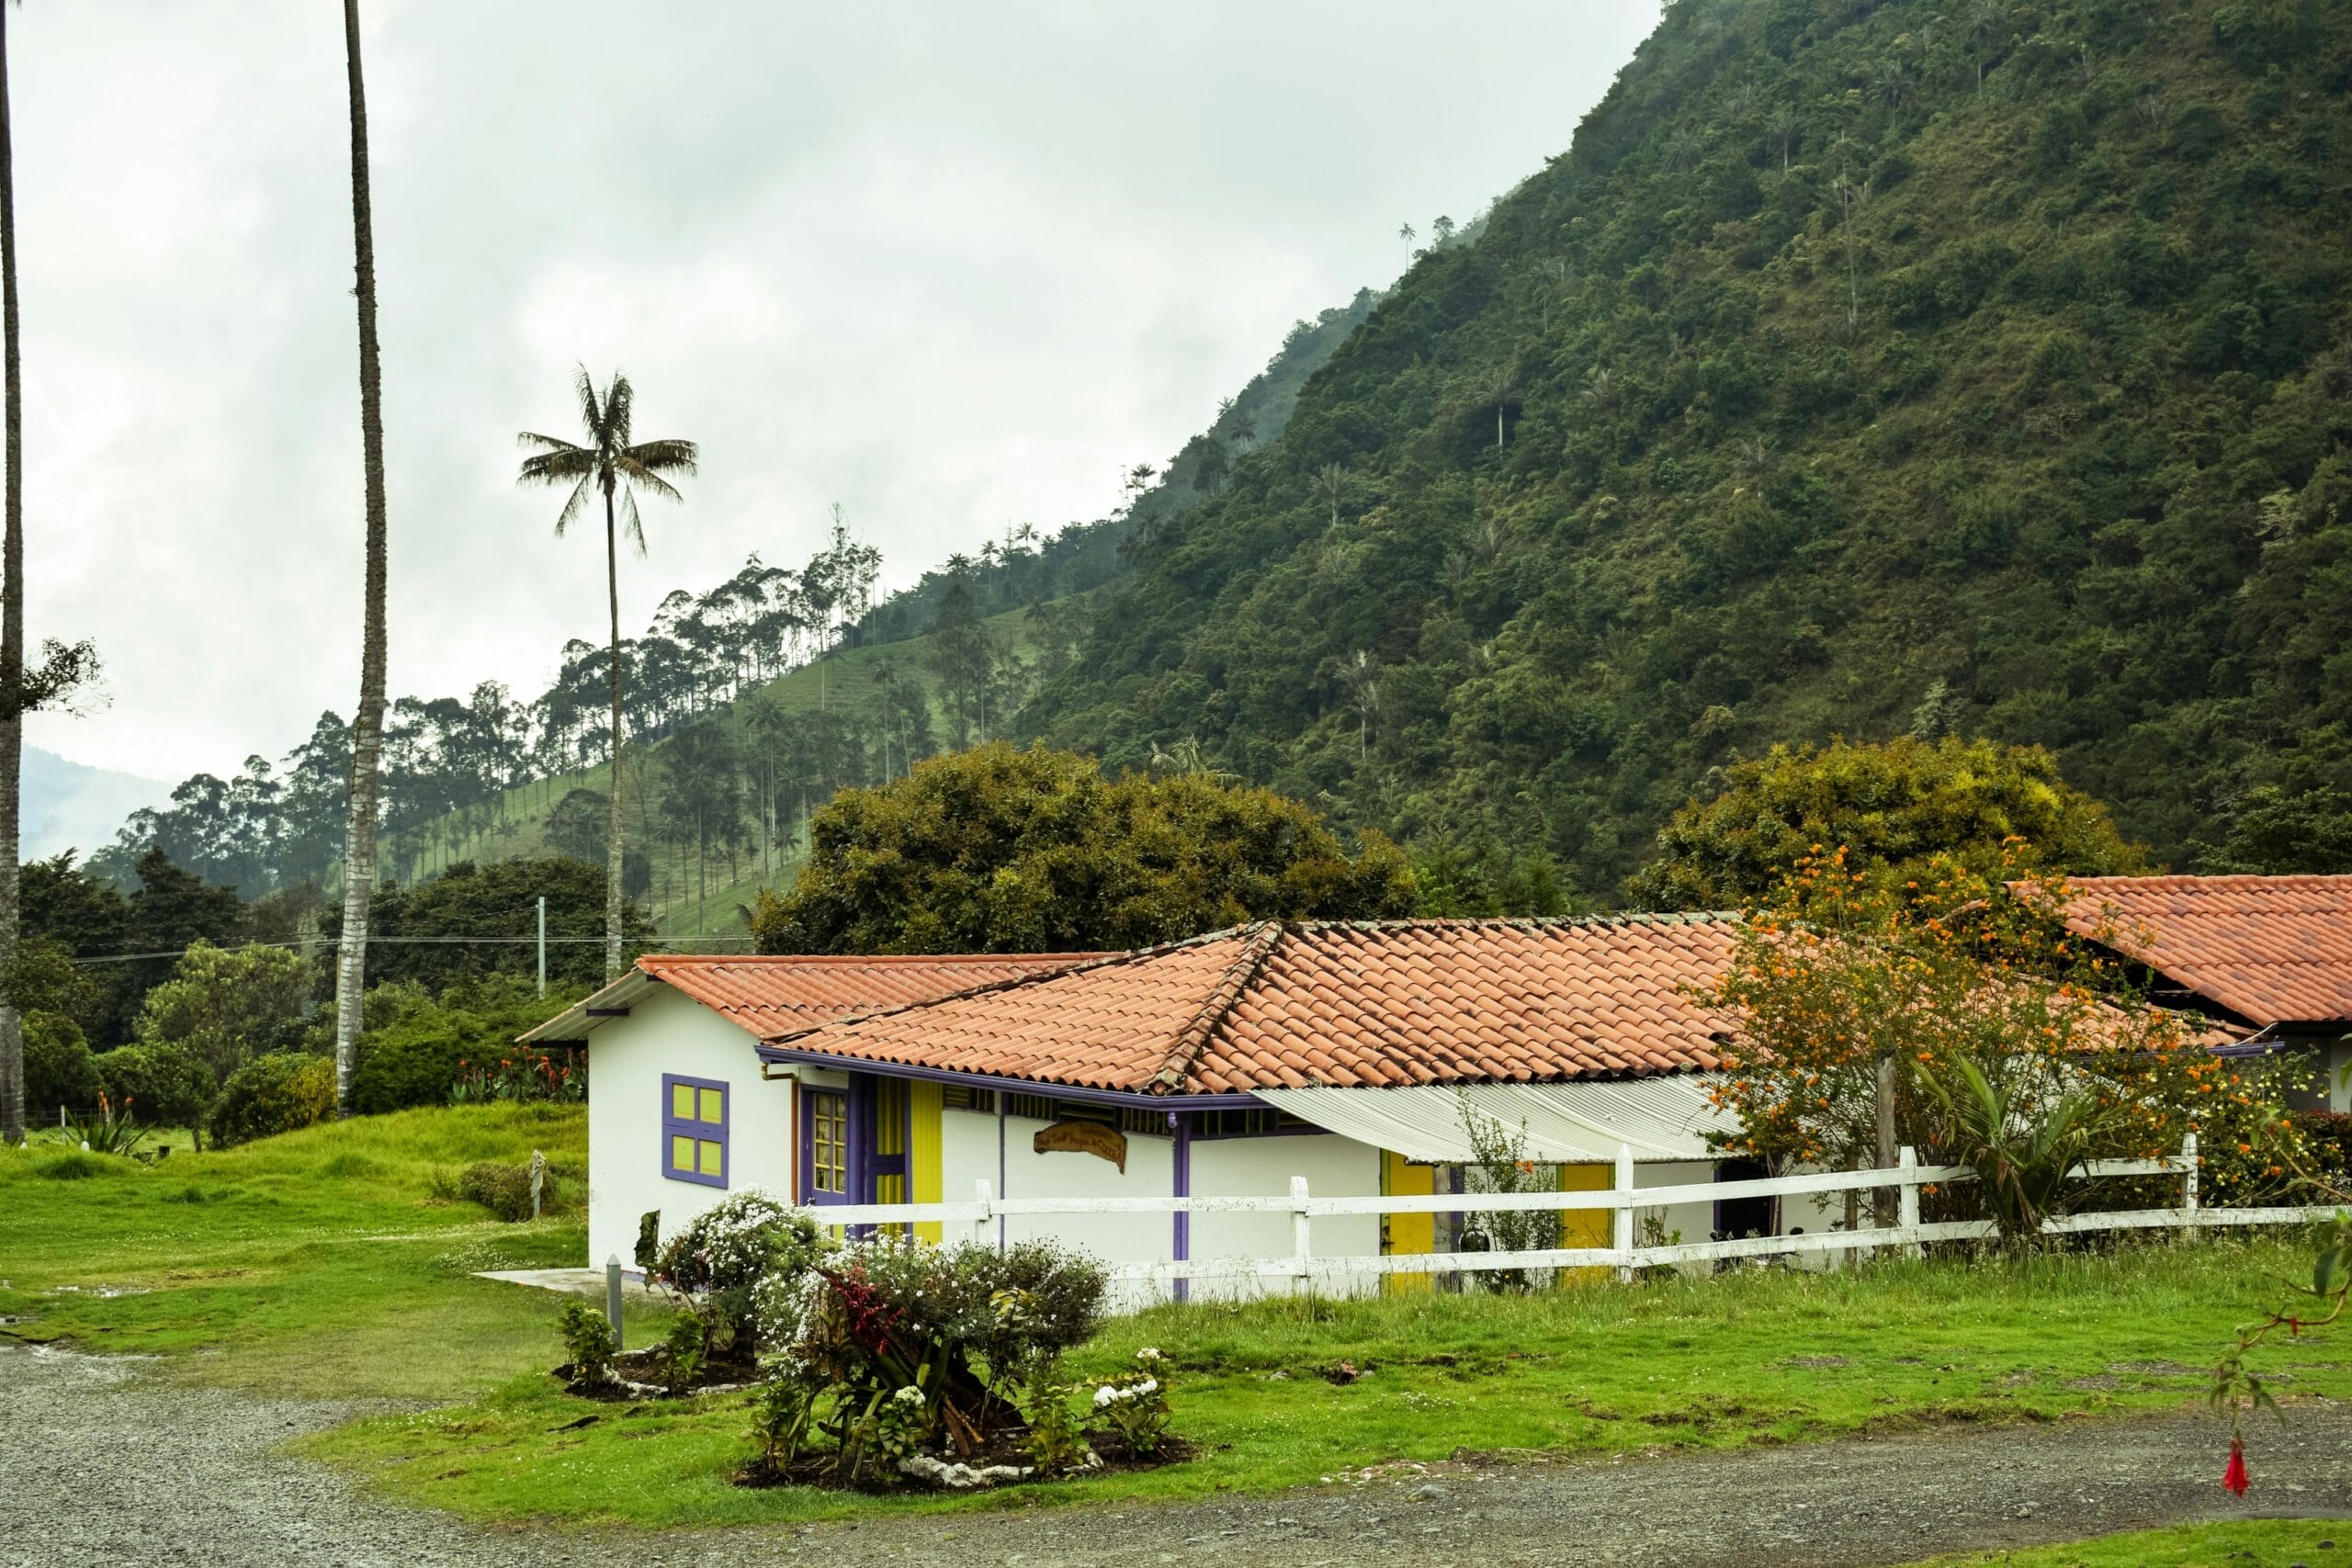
100,1465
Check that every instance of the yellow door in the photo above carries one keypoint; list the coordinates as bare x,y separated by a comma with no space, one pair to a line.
923,1159
1585,1227
1407,1233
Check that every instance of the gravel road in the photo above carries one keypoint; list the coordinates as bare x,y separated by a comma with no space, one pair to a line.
99,1465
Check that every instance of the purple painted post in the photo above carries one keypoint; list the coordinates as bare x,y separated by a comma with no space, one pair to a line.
1183,1123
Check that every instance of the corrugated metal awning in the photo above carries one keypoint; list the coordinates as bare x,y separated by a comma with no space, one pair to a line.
1660,1117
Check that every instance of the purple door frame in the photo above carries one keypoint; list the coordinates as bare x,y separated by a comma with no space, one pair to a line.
1182,1121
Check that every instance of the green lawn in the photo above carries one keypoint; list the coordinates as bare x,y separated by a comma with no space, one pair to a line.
2242,1543
326,1263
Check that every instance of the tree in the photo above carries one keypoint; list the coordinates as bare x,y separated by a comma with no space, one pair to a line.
999,850
226,1006
963,661
2270,831
1962,1018
63,668
610,466
1331,485
368,720
576,826
1894,806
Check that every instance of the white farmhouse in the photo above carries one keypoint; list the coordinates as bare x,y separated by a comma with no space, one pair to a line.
1225,1065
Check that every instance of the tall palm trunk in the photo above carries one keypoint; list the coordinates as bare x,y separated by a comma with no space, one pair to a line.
612,804
12,625
368,724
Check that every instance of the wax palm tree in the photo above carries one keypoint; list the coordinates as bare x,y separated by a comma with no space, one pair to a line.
609,466
368,723
62,668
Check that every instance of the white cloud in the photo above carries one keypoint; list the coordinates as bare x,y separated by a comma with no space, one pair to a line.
954,267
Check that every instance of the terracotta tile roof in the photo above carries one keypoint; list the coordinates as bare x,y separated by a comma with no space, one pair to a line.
768,996
2269,949
1332,1003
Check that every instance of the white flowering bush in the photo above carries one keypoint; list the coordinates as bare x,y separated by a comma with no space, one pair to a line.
722,1260
1137,1403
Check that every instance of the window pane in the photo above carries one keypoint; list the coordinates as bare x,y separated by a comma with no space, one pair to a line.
682,1154
682,1102
714,1106
711,1158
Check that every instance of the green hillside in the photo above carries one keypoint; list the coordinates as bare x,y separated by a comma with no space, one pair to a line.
1860,368
838,699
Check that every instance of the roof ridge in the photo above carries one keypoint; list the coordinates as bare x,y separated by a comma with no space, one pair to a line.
932,958
1135,955
1210,1017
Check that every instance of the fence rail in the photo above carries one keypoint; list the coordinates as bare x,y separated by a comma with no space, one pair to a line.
1622,1200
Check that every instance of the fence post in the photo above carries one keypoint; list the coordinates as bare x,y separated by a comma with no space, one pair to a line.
2189,1183
613,1296
1621,1213
982,1192
1906,1160
1301,1265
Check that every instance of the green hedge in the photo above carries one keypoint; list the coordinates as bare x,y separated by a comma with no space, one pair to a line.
281,1092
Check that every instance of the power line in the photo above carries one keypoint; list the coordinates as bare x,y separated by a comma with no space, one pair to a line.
420,941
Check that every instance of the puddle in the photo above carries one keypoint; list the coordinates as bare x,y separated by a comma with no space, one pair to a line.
103,1292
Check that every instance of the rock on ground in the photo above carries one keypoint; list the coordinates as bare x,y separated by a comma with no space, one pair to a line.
101,1464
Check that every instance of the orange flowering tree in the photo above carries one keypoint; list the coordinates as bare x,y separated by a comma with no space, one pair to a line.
1954,1010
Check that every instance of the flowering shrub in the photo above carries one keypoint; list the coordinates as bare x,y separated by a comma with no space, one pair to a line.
1499,1164
1956,1012
1138,1404
527,1075
722,1260
889,1346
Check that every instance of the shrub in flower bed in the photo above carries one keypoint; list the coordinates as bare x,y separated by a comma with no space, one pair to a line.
718,1263
888,1362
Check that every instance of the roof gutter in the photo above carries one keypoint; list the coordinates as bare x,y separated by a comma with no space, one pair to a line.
786,1056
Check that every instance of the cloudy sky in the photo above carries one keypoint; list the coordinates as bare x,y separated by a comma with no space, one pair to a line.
954,266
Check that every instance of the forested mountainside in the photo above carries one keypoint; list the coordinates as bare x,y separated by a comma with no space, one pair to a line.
779,686
1860,368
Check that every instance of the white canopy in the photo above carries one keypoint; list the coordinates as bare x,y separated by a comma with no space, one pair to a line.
1661,1117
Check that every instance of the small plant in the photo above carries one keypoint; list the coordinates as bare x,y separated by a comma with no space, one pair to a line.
892,1432
1056,1441
587,1344
782,1409
1137,1403
1500,1165
684,1350
526,1077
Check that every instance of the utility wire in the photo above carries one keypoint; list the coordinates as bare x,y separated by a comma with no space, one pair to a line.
420,941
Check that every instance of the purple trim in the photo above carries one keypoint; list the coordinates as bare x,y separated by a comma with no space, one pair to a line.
810,1192
694,1128
1183,1240
1000,1157
787,1056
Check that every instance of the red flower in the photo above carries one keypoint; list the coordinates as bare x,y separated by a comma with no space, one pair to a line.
2233,1479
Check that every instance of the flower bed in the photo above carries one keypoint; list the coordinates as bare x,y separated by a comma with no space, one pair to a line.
884,1363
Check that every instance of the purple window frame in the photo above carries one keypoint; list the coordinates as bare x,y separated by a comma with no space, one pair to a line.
697,1128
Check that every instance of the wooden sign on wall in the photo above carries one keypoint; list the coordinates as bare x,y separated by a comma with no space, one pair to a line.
1084,1138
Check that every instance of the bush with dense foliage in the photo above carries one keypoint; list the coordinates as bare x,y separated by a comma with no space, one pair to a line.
226,1006
161,1085
417,1047
907,1356
61,1072
719,1258
281,1092
1895,809
999,849
1867,370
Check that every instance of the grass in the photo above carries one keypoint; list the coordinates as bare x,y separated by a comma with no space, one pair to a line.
328,1263
2236,1543
324,1263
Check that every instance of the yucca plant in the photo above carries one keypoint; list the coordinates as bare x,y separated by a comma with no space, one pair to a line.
2024,1141
107,1130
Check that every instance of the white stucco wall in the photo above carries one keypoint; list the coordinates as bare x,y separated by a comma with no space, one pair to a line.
666,1033
1335,1167
968,1145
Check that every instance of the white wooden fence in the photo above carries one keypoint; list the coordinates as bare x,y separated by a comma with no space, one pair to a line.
977,1217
